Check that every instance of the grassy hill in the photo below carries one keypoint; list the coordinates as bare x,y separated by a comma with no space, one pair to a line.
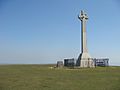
42,77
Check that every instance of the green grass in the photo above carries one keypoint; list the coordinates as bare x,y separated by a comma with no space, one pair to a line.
41,77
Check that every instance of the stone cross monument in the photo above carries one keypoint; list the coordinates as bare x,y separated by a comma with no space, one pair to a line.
84,60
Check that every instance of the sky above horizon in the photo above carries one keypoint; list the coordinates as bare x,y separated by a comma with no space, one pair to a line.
45,31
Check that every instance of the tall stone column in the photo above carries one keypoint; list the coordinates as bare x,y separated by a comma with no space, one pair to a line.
84,60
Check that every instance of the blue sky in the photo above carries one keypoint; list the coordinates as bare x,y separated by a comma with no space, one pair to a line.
45,31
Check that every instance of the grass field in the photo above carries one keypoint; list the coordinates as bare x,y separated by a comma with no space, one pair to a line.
41,77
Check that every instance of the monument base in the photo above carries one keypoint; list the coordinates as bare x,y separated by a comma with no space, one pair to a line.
85,60
87,63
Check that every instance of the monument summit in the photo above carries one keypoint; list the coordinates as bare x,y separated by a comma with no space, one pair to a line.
84,60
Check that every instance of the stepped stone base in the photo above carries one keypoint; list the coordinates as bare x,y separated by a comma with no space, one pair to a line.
85,60
87,63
